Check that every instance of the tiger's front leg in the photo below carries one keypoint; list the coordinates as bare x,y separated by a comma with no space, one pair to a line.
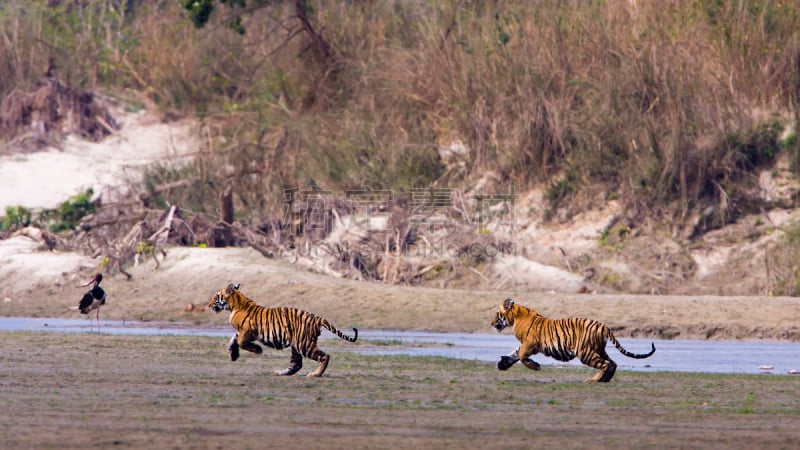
506,362
524,355
233,348
245,342
509,360
531,364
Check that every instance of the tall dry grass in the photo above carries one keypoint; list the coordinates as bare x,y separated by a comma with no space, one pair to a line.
669,107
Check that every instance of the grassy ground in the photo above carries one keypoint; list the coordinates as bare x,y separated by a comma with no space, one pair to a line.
90,390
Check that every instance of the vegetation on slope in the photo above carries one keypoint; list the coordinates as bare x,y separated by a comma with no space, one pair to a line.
670,108
665,106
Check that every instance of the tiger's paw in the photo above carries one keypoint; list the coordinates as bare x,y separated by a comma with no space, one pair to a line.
506,362
531,364
233,352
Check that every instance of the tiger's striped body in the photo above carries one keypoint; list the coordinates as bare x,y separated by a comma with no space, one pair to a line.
561,339
277,328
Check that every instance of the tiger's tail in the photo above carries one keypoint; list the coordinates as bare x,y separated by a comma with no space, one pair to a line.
341,335
627,353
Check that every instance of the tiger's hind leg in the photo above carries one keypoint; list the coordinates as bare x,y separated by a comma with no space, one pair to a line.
609,372
604,365
605,372
323,359
295,364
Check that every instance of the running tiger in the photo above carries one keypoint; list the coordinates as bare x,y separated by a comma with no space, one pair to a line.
277,328
562,339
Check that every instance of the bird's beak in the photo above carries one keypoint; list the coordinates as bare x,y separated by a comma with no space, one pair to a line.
90,281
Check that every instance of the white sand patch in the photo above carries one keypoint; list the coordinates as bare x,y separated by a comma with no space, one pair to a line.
25,265
710,260
45,179
517,272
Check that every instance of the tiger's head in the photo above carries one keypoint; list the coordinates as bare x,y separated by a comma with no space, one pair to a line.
504,317
220,301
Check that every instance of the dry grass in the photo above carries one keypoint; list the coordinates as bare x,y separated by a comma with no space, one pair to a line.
657,103
669,108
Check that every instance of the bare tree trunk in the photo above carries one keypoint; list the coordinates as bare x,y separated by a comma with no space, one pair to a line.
223,232
226,205
301,8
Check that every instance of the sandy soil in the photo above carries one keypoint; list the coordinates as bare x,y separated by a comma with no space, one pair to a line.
47,285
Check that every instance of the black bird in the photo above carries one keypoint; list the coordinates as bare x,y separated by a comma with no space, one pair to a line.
93,298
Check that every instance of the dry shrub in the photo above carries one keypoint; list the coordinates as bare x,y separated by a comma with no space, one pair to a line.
652,103
55,109
648,101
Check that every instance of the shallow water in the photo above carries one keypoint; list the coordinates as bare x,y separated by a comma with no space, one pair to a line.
674,356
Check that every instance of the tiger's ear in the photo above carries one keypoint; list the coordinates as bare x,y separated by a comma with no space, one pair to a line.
507,304
236,286
229,290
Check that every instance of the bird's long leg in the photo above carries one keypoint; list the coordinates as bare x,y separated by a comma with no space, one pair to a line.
98,319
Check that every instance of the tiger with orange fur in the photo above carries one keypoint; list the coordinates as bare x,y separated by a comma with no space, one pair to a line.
561,339
277,328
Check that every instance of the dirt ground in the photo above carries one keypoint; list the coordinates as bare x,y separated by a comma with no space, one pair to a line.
102,391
